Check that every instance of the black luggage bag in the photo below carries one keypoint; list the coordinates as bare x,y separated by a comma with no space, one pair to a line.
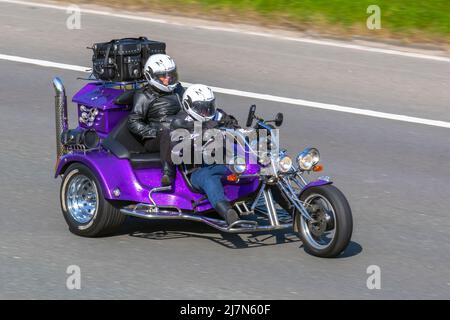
122,60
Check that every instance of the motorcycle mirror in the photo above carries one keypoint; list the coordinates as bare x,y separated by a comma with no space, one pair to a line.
251,115
279,119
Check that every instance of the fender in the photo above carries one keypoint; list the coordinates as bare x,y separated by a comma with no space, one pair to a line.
119,181
317,183
111,172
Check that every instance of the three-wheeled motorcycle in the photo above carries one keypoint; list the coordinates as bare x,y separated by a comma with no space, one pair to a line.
108,175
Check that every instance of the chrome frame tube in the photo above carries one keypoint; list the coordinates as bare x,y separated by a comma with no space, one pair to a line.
144,211
298,180
271,210
242,208
260,192
155,190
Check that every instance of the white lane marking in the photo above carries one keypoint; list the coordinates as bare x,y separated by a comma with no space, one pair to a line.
332,107
44,63
240,31
259,96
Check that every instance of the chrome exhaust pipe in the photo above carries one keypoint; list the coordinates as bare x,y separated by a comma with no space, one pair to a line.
60,115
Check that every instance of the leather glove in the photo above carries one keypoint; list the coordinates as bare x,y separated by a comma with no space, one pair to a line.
182,124
210,125
229,122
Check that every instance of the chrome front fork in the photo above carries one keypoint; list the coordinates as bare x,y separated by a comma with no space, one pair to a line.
270,205
265,192
285,185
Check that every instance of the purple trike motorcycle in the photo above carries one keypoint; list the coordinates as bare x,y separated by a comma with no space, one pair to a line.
107,175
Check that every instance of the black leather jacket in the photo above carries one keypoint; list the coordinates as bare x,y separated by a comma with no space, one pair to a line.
183,121
222,119
151,109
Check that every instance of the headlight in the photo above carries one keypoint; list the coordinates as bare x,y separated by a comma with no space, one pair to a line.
308,158
238,165
285,164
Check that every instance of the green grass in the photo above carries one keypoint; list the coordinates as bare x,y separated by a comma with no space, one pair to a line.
408,18
398,15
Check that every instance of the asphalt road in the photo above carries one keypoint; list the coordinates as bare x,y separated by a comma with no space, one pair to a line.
396,175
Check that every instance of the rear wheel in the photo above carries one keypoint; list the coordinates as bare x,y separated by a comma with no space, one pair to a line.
84,207
330,231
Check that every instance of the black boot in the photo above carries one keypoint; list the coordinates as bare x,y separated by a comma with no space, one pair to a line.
168,175
225,210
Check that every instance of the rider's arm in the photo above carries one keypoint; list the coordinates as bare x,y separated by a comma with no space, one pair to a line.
227,120
137,122
180,121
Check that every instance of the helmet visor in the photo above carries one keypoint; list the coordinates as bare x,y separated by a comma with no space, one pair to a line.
204,108
167,78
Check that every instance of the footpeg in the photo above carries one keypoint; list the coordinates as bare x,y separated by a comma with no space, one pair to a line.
242,208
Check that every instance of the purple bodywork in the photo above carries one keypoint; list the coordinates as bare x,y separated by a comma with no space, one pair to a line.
119,180
100,97
134,184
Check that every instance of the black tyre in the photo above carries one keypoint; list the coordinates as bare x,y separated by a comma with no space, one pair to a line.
84,207
331,231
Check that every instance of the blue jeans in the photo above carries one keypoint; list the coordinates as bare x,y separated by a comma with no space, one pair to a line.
208,180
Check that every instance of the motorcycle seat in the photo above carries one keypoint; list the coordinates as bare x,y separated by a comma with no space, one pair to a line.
144,158
124,145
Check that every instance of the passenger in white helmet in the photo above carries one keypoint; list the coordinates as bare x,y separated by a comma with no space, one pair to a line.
154,107
199,104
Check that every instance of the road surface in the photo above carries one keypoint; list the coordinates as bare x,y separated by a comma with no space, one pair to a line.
395,174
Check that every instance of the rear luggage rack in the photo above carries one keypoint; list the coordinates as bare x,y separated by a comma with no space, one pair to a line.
121,85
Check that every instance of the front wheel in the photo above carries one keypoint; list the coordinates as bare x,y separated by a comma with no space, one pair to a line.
84,207
330,231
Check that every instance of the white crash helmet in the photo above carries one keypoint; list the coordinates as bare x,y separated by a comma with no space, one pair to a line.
199,102
160,71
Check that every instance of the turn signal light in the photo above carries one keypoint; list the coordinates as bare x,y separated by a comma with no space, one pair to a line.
232,177
317,168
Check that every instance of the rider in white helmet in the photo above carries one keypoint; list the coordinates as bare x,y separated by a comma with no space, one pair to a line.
154,107
199,104
160,71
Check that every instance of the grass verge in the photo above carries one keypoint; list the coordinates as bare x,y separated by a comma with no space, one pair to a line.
405,20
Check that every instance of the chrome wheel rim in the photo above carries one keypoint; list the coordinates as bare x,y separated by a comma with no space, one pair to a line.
81,199
321,232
